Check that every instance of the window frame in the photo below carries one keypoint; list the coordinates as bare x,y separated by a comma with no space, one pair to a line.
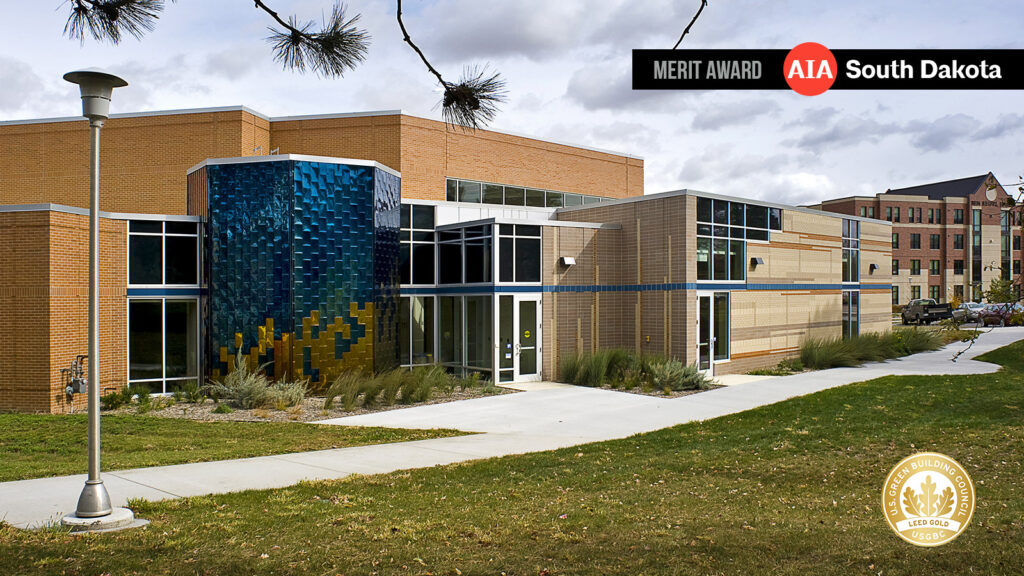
163,235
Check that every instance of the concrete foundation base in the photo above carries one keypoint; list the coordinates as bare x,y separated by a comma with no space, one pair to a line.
118,519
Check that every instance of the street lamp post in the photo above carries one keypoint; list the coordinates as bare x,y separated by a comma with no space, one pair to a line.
94,508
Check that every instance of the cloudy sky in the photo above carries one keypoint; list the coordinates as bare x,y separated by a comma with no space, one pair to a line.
567,64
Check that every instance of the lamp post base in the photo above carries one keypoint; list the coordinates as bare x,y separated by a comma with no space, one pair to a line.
116,519
94,501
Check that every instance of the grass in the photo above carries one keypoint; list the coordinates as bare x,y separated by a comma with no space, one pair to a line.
627,370
399,385
37,445
791,488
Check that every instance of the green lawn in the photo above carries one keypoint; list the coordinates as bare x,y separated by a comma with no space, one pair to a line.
792,488
37,445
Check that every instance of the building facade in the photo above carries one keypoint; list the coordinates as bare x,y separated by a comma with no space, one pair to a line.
949,239
317,245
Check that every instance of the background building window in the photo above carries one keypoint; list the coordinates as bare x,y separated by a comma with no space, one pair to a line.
958,241
958,292
895,267
915,292
915,267
915,241
895,240
895,295
958,267
958,216
933,267
934,242
933,293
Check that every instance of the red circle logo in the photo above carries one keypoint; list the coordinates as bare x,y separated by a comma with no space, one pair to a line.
810,69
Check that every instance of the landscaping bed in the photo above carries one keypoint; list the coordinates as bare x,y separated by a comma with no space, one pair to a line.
790,488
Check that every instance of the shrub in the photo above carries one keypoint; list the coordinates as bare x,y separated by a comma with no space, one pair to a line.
284,394
675,376
244,387
626,370
347,386
191,393
116,399
222,409
821,354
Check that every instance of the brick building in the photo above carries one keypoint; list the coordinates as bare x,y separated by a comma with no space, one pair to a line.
325,243
949,239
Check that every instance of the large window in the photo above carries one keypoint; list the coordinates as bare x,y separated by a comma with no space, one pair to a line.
851,313
465,334
519,253
976,253
915,241
417,236
723,228
481,192
851,250
163,350
416,330
464,255
933,241
1004,239
163,253
895,295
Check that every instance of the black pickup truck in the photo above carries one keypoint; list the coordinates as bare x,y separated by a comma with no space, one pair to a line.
925,310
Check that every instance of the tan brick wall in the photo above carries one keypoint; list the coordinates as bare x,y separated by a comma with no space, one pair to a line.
143,159
656,245
44,306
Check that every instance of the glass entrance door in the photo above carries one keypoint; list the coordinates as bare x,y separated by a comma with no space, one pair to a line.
713,331
518,347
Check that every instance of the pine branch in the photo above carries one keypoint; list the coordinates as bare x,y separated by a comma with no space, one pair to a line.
110,19
686,31
473,102
333,50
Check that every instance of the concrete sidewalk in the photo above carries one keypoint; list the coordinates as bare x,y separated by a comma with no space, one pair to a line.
543,417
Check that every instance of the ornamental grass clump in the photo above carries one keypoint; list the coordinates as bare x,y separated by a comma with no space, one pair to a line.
626,370
824,353
248,388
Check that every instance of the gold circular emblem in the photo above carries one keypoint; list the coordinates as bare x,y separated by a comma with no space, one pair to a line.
928,499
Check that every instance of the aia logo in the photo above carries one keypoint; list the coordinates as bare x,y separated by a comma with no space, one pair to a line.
810,69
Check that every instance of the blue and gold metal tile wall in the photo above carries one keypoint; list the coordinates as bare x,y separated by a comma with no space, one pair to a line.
298,254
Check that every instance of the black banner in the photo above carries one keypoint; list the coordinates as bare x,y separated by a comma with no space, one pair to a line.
856,69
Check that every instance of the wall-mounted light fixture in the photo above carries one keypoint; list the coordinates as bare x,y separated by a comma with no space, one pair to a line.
872,267
756,261
567,261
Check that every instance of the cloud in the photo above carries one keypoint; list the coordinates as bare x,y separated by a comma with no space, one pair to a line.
815,117
941,134
723,114
846,131
610,87
21,86
232,64
469,30
1004,125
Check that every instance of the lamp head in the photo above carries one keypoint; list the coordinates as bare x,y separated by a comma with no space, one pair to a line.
96,86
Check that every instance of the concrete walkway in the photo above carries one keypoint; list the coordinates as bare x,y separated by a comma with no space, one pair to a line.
544,417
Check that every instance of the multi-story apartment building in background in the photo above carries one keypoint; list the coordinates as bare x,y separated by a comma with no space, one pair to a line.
949,239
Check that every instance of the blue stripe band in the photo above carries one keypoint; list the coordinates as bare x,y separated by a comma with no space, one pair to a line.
167,291
727,286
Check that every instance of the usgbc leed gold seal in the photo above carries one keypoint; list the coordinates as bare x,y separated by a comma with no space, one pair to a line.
928,499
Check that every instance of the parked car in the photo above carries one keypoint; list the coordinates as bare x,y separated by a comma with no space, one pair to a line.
925,310
999,314
968,311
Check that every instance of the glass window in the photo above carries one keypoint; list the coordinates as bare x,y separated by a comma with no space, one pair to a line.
515,196
146,226
736,213
933,293
721,325
478,259
895,295
527,260
895,240
720,263
404,217
422,264
423,217
591,199
493,194
527,230
405,263
895,267
506,259
450,334
554,199
703,209
958,216
757,234
572,199
915,267
958,241
958,267
469,191
535,198
181,339
933,268
915,241
182,259
479,353
721,215
452,190
703,258
915,292
145,339
737,261
896,214
757,217
1016,242
933,241
450,263
775,218
888,213
864,211
145,259
421,325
